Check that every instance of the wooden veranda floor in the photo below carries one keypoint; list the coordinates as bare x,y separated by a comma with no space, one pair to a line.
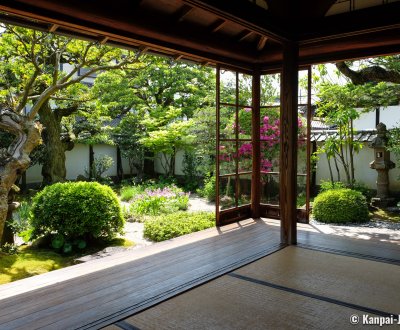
105,291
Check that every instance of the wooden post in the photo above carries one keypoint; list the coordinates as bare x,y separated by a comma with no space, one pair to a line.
256,158
308,141
120,170
218,86
91,161
288,143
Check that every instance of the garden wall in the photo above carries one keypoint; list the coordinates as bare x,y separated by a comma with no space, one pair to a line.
363,173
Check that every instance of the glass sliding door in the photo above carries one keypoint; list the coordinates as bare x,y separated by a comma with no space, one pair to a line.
248,157
234,145
270,145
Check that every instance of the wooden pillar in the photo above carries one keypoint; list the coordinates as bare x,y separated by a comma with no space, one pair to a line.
256,157
288,143
91,161
120,170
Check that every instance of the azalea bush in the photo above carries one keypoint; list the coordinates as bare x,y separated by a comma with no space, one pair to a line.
229,154
154,201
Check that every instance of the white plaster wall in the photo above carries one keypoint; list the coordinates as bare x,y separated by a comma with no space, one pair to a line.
34,174
103,149
363,173
77,160
158,168
365,121
178,163
390,116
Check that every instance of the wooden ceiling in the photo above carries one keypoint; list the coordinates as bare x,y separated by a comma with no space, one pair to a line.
239,33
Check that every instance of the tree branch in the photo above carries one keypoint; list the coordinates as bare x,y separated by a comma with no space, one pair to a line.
27,90
372,74
65,112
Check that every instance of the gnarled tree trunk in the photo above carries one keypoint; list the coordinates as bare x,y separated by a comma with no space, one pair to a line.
15,160
53,169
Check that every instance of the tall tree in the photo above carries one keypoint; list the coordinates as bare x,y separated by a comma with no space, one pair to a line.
55,93
166,94
30,76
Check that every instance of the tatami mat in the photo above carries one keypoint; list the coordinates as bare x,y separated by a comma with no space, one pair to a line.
231,302
358,281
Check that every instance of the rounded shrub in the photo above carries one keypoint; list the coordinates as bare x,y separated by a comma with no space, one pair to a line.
340,206
76,210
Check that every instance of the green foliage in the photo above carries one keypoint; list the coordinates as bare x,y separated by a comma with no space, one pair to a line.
180,223
127,135
357,186
329,185
155,201
76,210
337,106
394,142
21,219
8,248
160,99
191,174
204,128
209,189
128,192
340,206
100,165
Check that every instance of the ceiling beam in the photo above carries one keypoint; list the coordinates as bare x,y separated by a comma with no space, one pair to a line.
243,35
217,25
247,15
126,27
179,16
357,22
53,28
261,43
103,40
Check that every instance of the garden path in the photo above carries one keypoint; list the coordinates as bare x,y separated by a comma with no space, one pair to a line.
134,230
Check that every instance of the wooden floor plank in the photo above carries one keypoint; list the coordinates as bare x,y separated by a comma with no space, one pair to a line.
95,293
139,269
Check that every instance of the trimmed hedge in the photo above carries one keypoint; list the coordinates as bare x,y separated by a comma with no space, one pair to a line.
340,206
177,224
76,210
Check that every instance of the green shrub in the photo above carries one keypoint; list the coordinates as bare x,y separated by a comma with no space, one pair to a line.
177,224
76,210
209,189
358,186
156,201
128,192
340,206
20,223
329,185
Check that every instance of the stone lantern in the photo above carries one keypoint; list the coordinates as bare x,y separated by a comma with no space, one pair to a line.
382,164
